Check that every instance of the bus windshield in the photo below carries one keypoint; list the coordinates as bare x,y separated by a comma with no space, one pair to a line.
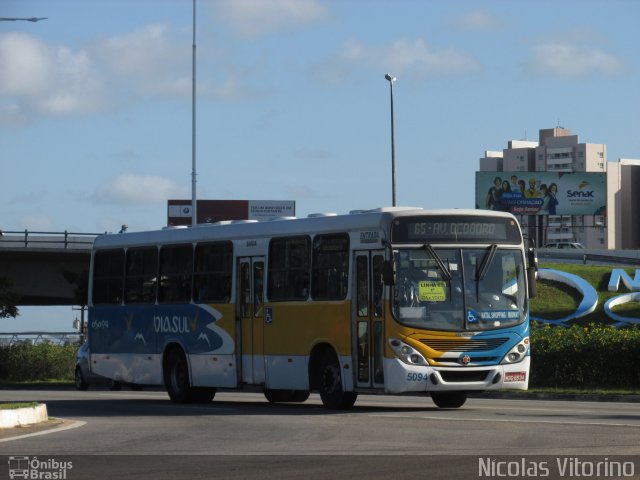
458,289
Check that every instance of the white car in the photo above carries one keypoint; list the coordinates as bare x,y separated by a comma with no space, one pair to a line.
83,375
570,245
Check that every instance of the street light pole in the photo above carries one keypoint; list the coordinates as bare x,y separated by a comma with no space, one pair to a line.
194,201
392,79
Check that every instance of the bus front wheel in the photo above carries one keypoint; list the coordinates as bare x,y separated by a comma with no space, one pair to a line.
449,399
331,392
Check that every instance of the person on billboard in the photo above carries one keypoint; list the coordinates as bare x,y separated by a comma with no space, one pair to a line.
544,192
514,183
532,191
492,202
504,199
553,201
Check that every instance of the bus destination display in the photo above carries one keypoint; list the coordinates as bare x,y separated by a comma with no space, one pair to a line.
456,229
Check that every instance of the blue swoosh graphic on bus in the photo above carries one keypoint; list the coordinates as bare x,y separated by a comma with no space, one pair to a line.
228,344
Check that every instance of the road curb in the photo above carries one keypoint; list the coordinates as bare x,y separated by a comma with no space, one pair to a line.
10,418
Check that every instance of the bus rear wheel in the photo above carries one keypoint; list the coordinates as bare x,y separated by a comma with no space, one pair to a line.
294,396
177,383
331,392
449,399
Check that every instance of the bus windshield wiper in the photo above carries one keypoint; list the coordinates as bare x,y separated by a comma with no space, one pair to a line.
446,273
486,262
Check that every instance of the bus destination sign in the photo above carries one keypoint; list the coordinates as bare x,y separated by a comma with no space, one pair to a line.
455,229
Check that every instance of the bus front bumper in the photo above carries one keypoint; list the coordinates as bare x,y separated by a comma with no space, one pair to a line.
400,377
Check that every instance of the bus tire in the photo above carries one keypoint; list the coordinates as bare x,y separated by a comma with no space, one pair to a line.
294,396
176,376
177,383
449,399
331,392
81,384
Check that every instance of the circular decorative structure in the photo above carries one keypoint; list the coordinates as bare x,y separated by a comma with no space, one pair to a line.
619,300
589,294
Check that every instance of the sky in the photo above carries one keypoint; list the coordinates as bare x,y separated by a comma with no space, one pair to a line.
291,102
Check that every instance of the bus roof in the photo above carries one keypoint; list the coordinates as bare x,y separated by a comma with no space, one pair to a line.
361,220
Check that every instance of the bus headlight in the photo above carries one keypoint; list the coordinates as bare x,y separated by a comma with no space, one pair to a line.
517,353
406,353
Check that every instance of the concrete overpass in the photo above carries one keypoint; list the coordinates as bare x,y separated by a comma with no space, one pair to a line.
46,268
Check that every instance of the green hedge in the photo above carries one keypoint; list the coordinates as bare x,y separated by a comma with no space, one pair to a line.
578,357
596,356
45,361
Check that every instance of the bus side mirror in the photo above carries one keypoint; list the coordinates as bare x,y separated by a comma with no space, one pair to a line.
388,273
532,269
532,273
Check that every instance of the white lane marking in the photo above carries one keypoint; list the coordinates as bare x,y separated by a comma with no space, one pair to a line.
75,424
505,420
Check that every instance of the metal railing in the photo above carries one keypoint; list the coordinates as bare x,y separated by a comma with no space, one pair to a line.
26,238
36,338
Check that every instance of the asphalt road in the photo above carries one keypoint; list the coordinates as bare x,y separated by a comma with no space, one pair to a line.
130,434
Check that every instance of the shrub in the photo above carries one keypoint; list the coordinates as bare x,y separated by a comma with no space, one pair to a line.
45,361
596,356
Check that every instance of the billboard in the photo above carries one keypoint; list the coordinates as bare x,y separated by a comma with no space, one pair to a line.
210,211
542,193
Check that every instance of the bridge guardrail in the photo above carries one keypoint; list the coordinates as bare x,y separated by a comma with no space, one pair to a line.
626,257
26,238
36,338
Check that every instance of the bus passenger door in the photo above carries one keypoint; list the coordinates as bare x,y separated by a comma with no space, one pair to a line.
368,319
249,326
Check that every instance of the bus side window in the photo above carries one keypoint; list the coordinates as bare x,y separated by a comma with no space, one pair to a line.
212,272
176,273
289,268
330,267
108,277
141,275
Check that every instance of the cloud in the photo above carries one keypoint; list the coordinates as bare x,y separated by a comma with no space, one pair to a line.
299,191
39,79
133,189
254,18
45,79
564,59
478,20
37,223
312,154
146,60
413,58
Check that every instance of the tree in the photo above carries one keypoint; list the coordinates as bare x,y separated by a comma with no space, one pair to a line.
8,299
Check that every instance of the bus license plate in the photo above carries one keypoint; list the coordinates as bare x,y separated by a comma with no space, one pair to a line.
515,376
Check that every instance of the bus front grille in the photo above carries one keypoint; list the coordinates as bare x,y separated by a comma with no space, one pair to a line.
464,344
464,376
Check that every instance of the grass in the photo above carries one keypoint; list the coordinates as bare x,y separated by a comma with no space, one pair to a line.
557,300
14,406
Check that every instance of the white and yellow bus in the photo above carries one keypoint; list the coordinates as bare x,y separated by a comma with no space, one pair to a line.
383,301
